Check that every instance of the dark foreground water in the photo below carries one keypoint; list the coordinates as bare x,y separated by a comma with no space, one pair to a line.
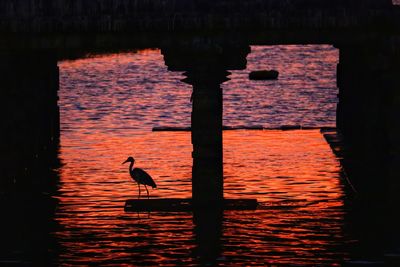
109,105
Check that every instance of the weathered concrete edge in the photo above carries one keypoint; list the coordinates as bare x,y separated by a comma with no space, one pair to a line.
186,205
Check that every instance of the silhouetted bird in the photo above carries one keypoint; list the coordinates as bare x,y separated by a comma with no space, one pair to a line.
140,176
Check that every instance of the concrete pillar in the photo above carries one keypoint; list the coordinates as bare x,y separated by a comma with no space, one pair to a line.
358,111
369,119
205,62
30,119
369,109
361,114
390,127
207,172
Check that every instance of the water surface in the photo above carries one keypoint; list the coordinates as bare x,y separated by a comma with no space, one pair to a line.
109,105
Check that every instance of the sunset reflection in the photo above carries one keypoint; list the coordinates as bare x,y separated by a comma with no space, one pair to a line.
109,104
292,173
267,165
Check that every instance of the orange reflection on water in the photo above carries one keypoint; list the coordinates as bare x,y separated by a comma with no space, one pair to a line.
292,173
146,55
109,105
281,166
269,165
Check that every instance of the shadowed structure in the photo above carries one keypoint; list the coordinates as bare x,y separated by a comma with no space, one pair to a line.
206,39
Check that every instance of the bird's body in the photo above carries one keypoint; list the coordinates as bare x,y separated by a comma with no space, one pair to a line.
140,176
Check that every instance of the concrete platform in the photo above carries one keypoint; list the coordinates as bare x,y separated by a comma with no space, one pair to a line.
185,204
335,141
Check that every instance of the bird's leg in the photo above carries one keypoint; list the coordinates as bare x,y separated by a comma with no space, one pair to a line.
147,191
139,190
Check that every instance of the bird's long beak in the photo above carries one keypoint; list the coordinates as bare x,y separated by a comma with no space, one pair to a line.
125,162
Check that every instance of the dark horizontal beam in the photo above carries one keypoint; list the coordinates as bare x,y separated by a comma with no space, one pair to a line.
68,8
187,21
81,26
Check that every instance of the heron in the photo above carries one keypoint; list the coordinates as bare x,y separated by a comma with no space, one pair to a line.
140,176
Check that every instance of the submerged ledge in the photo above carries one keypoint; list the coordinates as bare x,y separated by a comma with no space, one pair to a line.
185,204
225,128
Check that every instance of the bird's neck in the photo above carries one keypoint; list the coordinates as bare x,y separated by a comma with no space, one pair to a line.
131,167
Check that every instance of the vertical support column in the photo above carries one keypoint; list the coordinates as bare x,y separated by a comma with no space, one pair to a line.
368,117
359,104
391,158
206,61
30,120
360,114
207,172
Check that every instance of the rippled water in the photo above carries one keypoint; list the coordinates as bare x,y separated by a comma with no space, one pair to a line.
109,105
